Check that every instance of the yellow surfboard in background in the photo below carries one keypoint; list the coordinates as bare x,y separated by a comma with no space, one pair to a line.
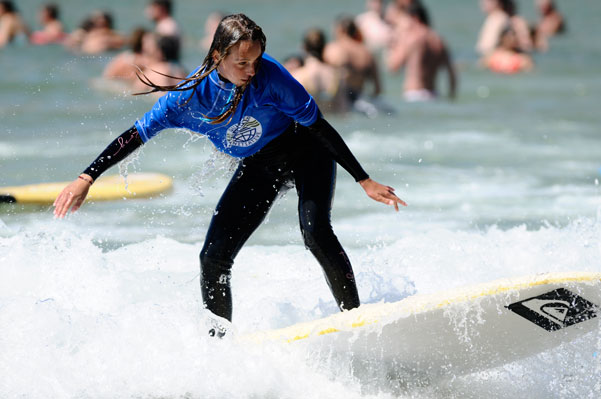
135,185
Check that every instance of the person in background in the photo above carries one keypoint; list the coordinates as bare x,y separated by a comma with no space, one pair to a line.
499,15
293,61
162,54
160,12
53,30
351,55
11,23
323,81
508,58
496,20
519,25
101,37
126,64
374,29
251,108
75,39
396,15
422,52
551,22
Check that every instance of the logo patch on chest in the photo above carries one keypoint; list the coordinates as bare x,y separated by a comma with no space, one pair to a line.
245,133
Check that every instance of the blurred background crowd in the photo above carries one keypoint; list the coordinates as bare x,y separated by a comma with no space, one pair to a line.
341,67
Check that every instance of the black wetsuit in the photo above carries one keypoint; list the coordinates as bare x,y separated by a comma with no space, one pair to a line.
304,156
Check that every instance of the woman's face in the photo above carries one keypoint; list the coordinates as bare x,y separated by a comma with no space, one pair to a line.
240,64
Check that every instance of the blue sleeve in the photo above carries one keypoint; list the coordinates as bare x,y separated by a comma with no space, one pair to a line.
289,95
167,112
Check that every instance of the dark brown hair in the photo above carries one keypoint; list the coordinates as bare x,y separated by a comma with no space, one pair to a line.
52,10
135,40
232,30
314,43
417,10
347,24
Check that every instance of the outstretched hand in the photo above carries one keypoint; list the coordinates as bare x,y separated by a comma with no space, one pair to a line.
72,197
381,193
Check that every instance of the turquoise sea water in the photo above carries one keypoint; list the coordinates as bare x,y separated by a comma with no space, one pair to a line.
502,182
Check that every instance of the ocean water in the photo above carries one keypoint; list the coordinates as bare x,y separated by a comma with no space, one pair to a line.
503,182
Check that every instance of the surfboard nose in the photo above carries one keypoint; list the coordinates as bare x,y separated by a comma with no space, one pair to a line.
7,199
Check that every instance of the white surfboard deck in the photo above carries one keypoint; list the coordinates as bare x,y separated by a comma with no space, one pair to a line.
458,331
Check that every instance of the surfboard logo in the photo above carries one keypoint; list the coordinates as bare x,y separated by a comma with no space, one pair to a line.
245,133
556,309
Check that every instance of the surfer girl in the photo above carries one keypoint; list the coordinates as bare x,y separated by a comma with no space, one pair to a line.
251,108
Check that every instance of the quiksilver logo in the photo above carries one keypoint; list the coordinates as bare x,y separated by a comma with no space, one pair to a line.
245,133
556,309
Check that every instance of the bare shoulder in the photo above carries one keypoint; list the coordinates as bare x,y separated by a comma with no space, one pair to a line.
300,74
435,38
334,54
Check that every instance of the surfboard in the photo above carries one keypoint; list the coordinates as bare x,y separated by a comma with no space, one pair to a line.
137,185
456,332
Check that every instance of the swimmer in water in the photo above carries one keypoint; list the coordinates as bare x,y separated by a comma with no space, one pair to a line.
323,81
52,31
507,57
551,23
422,52
348,52
163,61
376,32
11,23
160,12
251,108
125,64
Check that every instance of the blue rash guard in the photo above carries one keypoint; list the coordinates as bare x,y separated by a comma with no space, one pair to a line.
272,101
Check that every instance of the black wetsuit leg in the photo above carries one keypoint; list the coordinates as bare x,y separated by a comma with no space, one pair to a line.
247,200
315,180
241,209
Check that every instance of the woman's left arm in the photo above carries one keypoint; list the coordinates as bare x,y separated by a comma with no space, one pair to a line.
335,145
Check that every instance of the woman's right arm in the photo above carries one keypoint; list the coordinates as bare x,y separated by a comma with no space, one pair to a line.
75,193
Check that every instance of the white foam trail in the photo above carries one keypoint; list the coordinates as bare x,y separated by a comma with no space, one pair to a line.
78,321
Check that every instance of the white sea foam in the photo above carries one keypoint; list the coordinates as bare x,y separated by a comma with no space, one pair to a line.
80,321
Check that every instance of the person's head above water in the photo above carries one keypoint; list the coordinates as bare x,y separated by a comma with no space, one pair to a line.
419,12
159,9
545,6
49,12
508,39
235,53
314,42
345,26
7,7
237,46
489,6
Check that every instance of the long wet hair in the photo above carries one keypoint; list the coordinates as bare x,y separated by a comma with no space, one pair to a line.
314,42
232,30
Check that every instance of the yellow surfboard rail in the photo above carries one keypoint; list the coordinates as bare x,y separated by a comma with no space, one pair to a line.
108,188
374,313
